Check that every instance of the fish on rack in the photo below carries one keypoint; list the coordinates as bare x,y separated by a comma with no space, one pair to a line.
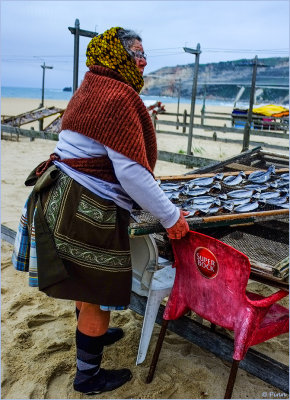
234,180
170,186
277,201
279,183
257,187
205,181
241,193
285,176
201,200
197,191
247,207
262,176
237,202
270,195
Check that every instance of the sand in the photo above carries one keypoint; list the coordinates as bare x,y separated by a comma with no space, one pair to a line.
38,352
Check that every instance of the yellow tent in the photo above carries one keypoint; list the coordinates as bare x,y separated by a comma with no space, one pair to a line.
271,111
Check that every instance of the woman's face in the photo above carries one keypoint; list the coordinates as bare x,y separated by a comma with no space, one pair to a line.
140,60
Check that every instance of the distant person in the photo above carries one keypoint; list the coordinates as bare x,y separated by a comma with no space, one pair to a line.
82,198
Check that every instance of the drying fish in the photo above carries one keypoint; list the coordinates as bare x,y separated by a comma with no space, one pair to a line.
196,192
278,201
237,202
256,196
196,210
205,208
279,183
228,206
201,207
223,196
247,207
208,200
192,213
234,180
213,210
274,184
258,188
269,195
205,181
170,186
241,194
216,187
219,176
285,177
262,176
174,197
169,193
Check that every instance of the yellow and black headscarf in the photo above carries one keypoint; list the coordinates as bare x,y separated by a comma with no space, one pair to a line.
107,50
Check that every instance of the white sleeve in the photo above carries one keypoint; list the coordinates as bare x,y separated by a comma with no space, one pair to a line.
143,189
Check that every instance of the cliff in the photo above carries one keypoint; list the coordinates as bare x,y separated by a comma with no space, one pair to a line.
222,80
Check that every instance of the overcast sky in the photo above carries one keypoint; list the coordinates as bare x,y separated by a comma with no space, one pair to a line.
33,32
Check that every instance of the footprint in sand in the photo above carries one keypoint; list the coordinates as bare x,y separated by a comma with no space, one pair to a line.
59,378
39,319
24,339
19,304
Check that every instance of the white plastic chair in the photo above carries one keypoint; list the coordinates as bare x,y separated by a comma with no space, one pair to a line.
153,277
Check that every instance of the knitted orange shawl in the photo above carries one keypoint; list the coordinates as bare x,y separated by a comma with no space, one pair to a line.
107,109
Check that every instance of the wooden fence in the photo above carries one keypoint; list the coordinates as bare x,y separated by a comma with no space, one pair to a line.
178,124
170,123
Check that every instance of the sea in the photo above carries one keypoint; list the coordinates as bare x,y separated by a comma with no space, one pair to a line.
59,94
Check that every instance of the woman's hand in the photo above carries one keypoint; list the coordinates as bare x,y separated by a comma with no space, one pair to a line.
180,228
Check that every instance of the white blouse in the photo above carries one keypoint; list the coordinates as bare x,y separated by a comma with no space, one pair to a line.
136,182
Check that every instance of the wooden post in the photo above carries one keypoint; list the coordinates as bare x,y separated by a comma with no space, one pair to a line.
32,138
203,107
178,101
76,55
44,67
246,139
193,95
184,121
77,32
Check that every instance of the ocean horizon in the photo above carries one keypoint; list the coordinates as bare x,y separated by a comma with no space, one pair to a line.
59,94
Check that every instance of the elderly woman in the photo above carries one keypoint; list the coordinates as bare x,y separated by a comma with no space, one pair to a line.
82,198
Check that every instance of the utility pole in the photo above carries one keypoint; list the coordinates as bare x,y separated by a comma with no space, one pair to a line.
77,32
44,67
178,101
246,139
193,95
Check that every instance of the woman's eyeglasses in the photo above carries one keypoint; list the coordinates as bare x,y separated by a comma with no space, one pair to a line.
138,54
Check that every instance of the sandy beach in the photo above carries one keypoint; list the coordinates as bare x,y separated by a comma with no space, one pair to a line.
38,350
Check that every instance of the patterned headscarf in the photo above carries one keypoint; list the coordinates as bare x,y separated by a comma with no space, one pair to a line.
107,50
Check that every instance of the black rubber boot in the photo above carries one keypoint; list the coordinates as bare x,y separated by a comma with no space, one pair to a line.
104,381
111,336
90,378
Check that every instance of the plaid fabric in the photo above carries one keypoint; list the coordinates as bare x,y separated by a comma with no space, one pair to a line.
24,251
113,308
20,255
33,275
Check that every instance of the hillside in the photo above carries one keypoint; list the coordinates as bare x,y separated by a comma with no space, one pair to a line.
222,80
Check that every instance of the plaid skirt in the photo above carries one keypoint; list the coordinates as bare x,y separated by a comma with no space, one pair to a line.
81,245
